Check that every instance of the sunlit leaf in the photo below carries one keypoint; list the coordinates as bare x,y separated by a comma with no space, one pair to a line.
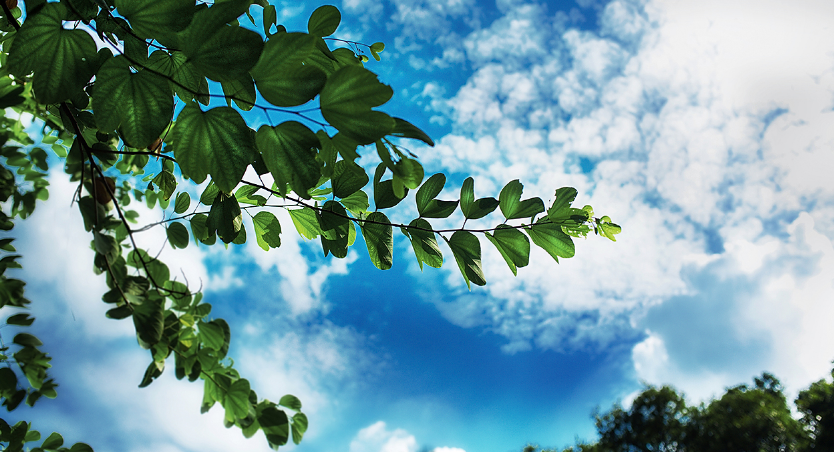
424,243
513,207
282,78
348,178
472,208
552,239
306,222
513,246
177,235
267,230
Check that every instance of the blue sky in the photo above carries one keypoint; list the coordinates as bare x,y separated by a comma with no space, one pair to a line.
703,128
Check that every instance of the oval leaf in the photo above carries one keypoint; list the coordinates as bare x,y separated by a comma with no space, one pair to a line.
324,21
379,238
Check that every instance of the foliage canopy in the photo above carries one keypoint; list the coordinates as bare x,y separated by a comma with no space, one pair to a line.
150,90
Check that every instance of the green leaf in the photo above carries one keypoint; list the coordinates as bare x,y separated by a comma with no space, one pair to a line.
240,90
563,198
149,322
119,312
106,245
405,129
357,203
183,203
289,154
8,380
270,16
424,243
177,235
25,339
211,335
225,218
335,227
81,447
63,61
467,251
384,195
237,400
348,178
375,48
148,17
552,239
430,207
473,209
53,441
290,401
209,194
306,222
267,230
324,21
281,75
221,52
299,426
186,82
379,238
216,142
347,100
153,371
167,183
276,426
513,207
22,319
198,226
609,229
513,246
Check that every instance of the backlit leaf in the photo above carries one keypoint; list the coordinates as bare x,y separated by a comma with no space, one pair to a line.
288,151
513,207
275,424
306,222
282,78
467,252
177,235
348,178
138,104
347,100
149,322
379,239
147,17
63,61
472,208
225,218
216,142
183,202
424,243
267,230
552,239
513,246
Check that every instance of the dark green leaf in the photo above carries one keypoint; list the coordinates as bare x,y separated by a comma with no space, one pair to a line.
289,154
54,441
240,90
186,82
275,424
270,16
149,322
221,52
63,61
384,196
405,129
348,178
147,17
27,339
346,102
379,238
430,207
267,230
198,226
474,209
119,312
209,194
8,380
106,245
552,239
20,319
81,447
225,218
513,207
324,21
335,228
467,251
217,143
177,235
513,246
138,104
183,203
153,371
167,183
424,243
282,78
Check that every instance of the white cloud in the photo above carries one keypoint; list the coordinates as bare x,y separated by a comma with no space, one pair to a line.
703,129
377,438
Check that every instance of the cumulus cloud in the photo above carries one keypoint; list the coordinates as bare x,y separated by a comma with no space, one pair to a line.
377,437
703,130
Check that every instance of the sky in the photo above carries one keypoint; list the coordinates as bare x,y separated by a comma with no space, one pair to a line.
704,128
